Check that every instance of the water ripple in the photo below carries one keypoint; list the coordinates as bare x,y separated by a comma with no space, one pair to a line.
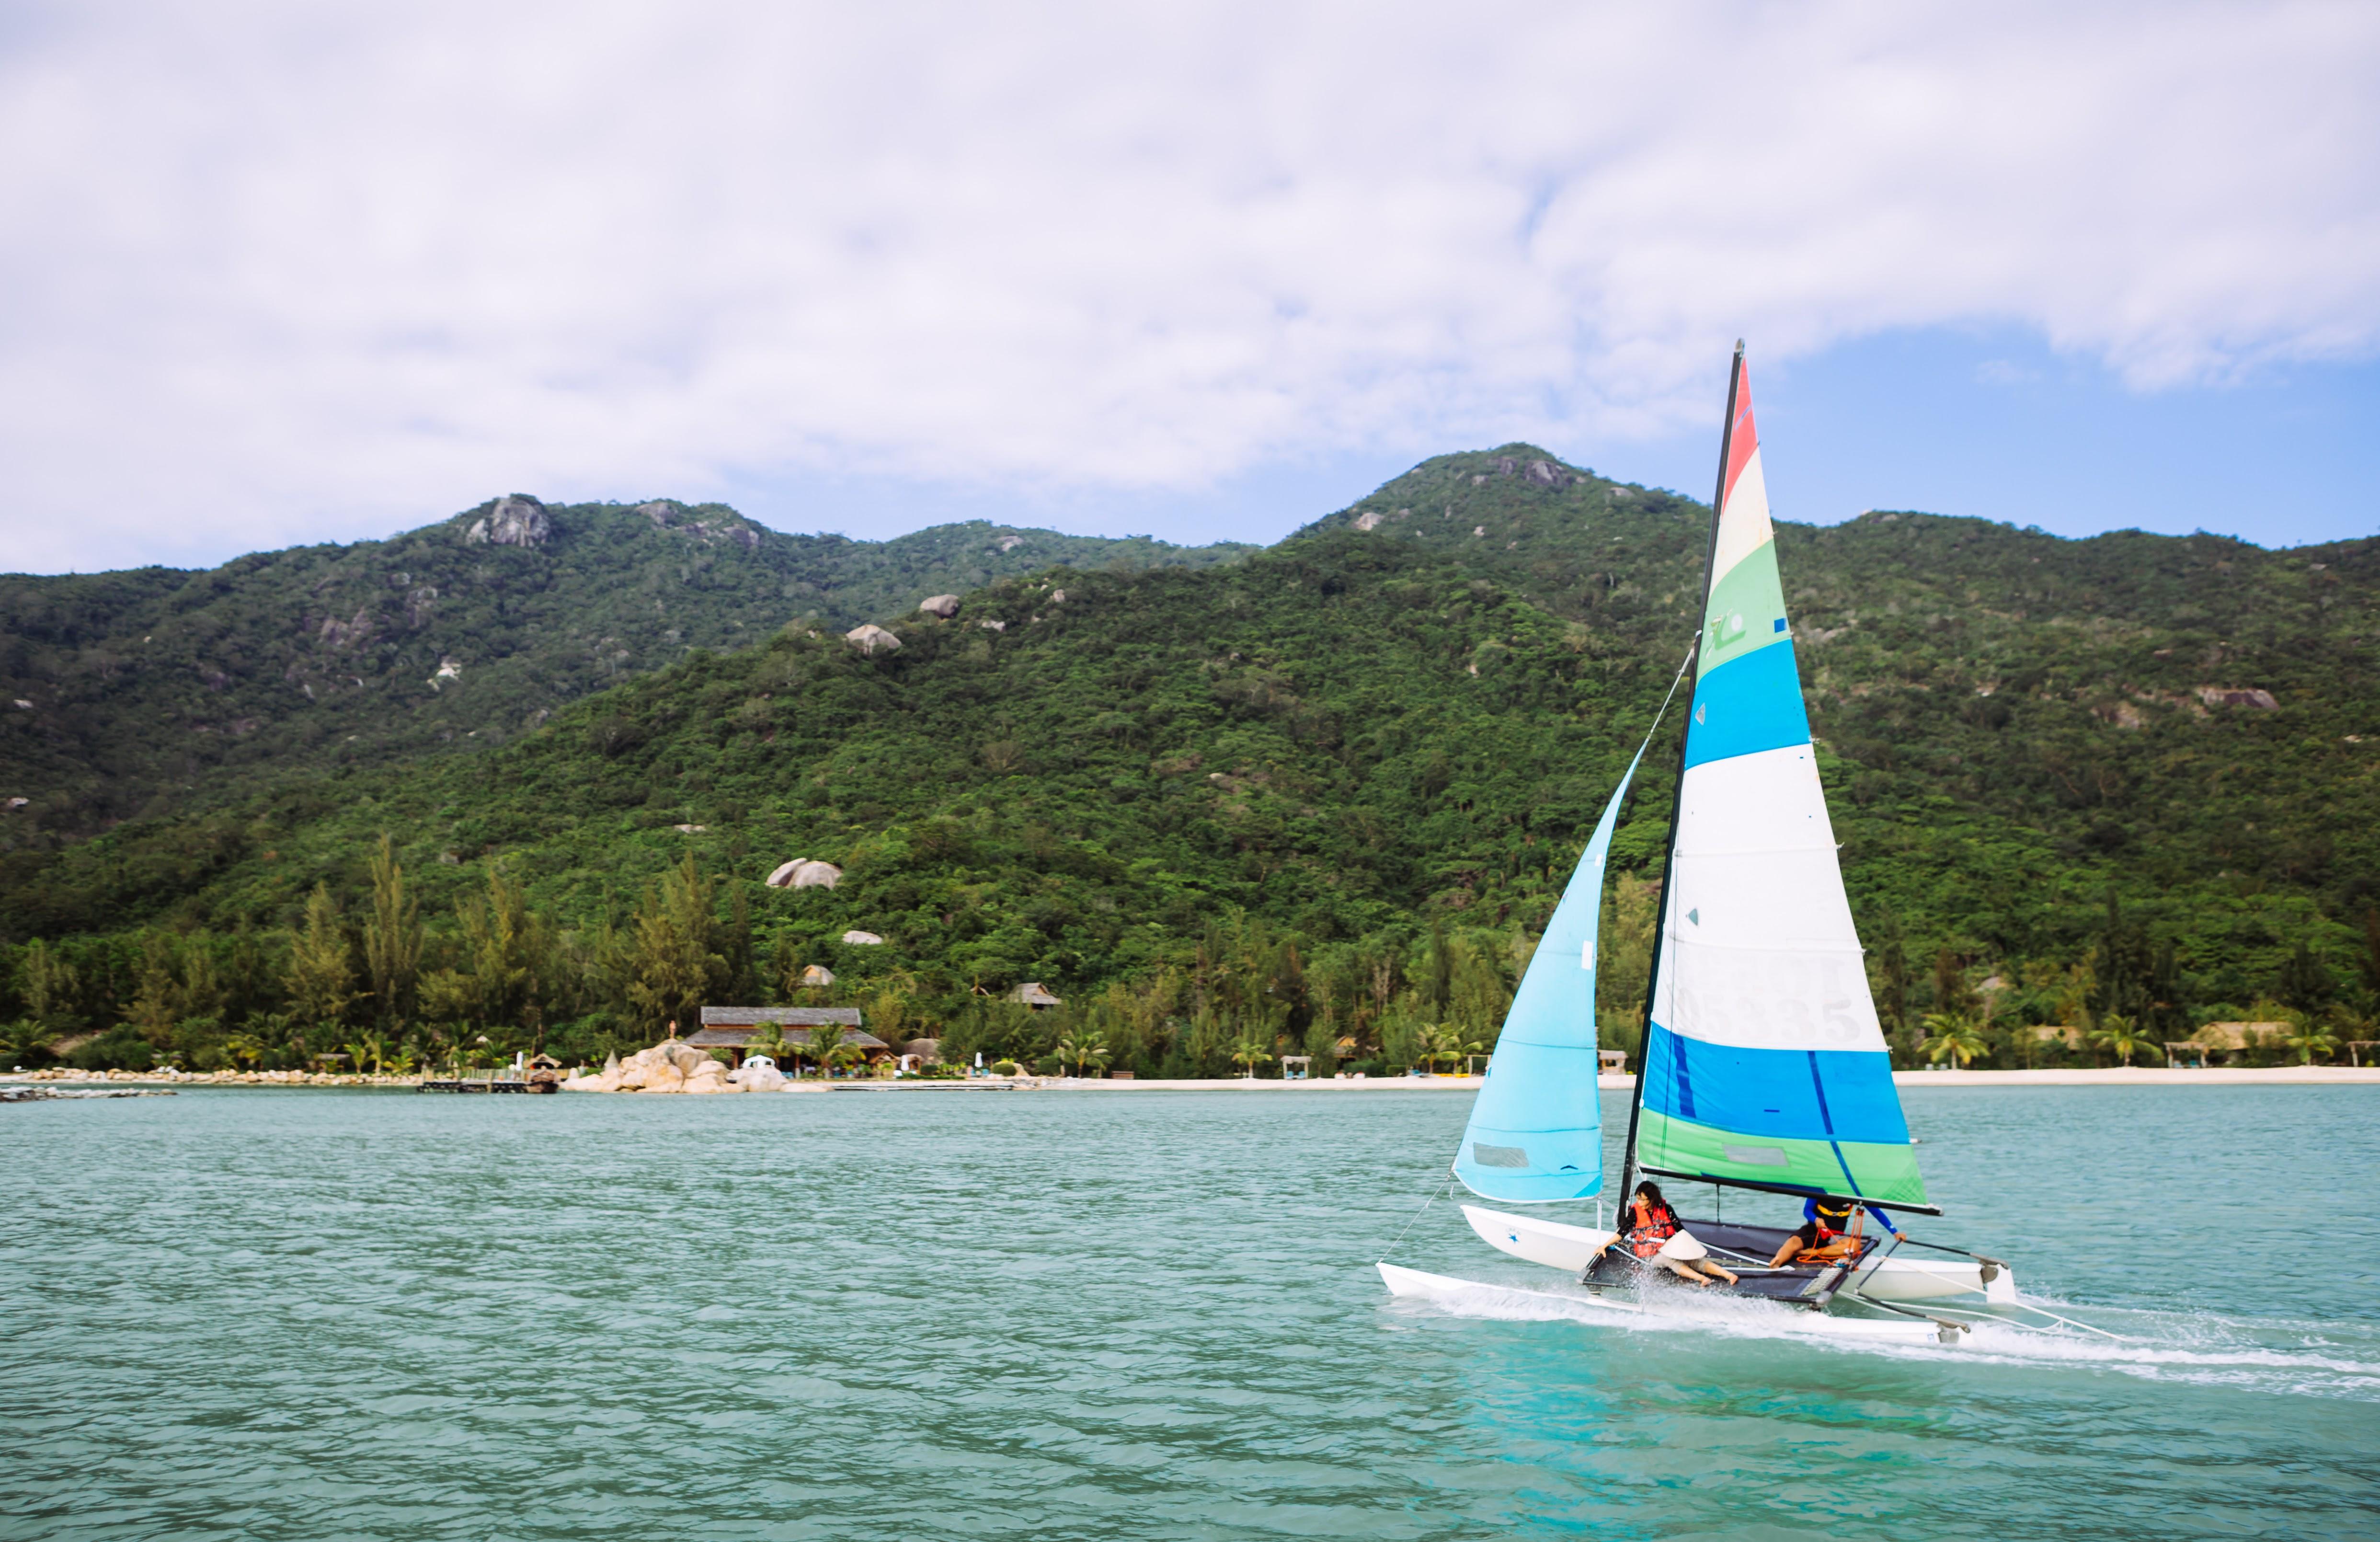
266,1314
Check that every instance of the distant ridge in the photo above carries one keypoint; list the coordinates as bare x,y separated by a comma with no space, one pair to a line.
155,690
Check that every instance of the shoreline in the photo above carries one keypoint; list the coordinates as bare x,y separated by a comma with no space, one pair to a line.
2262,1076
2259,1076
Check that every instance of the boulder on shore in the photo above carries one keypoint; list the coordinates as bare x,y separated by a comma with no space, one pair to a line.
759,1074
671,1065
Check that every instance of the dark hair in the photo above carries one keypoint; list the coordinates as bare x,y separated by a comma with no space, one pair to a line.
1651,1194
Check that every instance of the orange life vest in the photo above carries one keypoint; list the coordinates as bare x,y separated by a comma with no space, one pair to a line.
1832,1244
1652,1228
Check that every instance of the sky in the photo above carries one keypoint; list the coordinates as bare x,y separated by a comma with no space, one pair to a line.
282,273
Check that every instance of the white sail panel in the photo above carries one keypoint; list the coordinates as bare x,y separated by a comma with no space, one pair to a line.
1746,524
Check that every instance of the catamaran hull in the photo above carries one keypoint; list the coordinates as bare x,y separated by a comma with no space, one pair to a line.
1413,1285
1549,1243
1573,1248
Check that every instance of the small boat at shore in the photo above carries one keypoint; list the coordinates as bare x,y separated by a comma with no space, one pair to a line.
1763,1066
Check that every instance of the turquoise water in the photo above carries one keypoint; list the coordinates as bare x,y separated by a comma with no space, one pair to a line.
925,1315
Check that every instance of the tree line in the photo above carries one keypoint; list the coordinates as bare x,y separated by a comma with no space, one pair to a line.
365,980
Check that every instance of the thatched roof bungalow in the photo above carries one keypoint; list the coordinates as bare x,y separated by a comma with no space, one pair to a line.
732,1028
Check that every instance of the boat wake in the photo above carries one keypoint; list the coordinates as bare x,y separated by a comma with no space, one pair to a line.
2282,1356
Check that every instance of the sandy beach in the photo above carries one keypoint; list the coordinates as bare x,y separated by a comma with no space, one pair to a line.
2085,1077
2268,1076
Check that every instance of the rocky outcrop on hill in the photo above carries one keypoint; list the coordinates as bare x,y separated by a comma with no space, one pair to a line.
517,520
803,872
943,605
868,638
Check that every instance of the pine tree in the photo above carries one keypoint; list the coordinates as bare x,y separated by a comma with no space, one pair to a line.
392,940
509,957
157,1005
48,983
1892,998
2121,967
322,979
2368,962
676,963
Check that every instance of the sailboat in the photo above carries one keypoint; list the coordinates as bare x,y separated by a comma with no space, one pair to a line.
1763,1066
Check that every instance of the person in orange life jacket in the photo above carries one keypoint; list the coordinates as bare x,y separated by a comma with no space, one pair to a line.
1651,1231
1829,1232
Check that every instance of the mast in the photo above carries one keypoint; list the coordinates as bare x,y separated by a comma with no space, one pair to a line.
1677,796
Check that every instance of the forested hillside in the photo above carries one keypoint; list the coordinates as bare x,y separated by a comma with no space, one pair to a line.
154,691
1321,798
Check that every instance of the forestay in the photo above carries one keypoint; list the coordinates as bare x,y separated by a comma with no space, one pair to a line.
1764,1063
1535,1134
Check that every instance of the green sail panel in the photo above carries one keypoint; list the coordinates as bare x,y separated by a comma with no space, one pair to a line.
1882,1172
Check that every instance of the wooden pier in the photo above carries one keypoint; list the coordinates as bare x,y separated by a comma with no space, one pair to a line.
491,1081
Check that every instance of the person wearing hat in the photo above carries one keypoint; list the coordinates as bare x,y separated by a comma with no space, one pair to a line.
1652,1231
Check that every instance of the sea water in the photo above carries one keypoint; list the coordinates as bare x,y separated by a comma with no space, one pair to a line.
961,1313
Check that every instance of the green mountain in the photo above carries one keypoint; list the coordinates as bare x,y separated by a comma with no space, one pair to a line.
155,691
1331,789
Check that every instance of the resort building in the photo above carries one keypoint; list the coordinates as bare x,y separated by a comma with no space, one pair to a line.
732,1028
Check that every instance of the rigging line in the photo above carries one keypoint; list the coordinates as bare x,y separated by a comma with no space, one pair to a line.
1416,1216
1683,664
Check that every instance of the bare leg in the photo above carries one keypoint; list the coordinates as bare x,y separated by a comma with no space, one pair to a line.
1785,1253
1682,1270
1714,1270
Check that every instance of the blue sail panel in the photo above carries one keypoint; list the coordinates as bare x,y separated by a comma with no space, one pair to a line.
1535,1134
1795,1094
1747,705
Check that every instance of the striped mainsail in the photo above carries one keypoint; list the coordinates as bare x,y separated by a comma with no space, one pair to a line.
1762,1061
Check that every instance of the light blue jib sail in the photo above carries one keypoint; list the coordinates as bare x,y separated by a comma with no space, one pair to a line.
1535,1134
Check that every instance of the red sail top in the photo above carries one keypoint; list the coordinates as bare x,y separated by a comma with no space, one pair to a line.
1741,439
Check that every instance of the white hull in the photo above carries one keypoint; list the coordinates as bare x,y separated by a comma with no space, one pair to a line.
1413,1285
1572,1248
1549,1243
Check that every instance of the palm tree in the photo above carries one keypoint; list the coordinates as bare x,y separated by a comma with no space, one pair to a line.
2307,1037
1079,1048
1251,1050
1445,1041
24,1040
369,1047
1953,1035
827,1047
2117,1036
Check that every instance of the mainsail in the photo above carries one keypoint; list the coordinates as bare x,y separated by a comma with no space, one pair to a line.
1764,1063
1535,1134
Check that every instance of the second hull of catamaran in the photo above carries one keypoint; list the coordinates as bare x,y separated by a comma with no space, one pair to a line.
1412,1283
1576,1249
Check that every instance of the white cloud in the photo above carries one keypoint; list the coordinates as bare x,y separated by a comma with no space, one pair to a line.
277,272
